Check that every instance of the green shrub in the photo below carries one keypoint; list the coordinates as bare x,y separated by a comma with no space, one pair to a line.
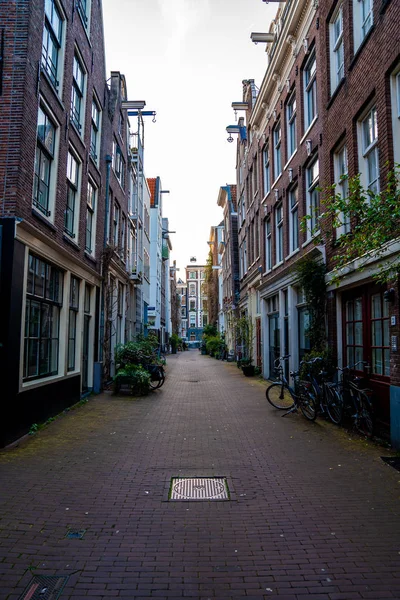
326,364
213,345
136,377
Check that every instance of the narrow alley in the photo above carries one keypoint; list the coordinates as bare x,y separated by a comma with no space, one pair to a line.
313,512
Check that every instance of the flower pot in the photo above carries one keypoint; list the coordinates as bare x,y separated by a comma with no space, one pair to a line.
248,370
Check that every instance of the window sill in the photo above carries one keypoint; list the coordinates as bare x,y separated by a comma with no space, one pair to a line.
70,241
276,181
96,166
293,253
56,92
280,263
86,28
311,239
90,257
290,160
307,131
267,272
43,219
78,133
360,47
335,92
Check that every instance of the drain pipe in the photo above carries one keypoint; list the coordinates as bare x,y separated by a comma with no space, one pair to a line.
103,285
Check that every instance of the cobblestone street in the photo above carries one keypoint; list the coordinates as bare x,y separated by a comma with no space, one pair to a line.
313,511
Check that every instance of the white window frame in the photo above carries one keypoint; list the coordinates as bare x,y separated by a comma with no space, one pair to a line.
268,245
95,130
310,91
340,167
336,48
395,102
42,146
291,125
363,19
78,93
84,10
116,224
278,233
293,210
277,138
53,72
91,216
313,200
368,149
254,175
74,167
267,170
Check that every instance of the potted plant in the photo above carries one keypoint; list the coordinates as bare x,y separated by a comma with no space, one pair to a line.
174,341
245,336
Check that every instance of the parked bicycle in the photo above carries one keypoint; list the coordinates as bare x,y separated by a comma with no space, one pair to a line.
285,397
325,391
356,398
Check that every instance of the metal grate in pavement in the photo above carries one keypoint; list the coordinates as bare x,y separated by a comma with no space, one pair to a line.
44,587
199,488
75,533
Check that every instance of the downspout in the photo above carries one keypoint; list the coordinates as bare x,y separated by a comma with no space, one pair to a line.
106,217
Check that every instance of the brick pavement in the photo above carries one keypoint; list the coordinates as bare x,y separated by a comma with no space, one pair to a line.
314,513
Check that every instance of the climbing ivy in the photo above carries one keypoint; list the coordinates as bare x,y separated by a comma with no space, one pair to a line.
310,276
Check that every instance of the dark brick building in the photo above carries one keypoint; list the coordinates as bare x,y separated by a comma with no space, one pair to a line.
52,189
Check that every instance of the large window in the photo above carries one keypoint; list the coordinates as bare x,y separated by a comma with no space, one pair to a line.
293,205
77,103
370,154
90,218
42,318
380,335
95,131
254,175
312,175
342,187
267,170
395,104
277,151
336,49
362,20
52,40
268,245
279,234
117,213
120,312
310,91
72,324
44,162
118,164
72,207
291,124
354,343
83,7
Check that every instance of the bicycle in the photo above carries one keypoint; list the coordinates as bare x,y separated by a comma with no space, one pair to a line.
357,397
326,392
284,397
156,370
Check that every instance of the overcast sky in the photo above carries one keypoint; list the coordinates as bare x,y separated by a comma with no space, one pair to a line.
187,60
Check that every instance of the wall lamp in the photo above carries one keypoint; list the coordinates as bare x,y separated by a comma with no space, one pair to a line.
263,38
232,129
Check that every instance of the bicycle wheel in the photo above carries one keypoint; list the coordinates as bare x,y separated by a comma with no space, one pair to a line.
307,402
334,404
364,419
279,396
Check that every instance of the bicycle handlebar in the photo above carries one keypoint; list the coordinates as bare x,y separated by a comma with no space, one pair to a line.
351,367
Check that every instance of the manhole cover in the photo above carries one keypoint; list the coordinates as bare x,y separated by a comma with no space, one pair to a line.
75,534
199,488
44,587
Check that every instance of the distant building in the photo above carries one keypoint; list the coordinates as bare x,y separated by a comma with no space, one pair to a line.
181,290
197,301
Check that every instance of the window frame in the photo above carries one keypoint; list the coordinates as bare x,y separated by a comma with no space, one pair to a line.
53,69
278,233
310,90
336,49
312,192
369,149
77,111
73,195
267,169
291,124
293,211
72,320
268,245
43,151
341,172
277,140
91,211
95,126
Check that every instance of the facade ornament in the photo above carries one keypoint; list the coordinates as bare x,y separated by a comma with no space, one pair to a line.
309,147
291,40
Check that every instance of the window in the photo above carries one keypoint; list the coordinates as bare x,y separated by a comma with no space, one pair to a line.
44,162
303,314
277,151
342,187
370,153
291,124
52,39
42,318
267,171
192,318
268,245
193,275
95,131
313,198
192,289
120,312
257,236
90,218
123,229
254,174
77,103
395,102
362,20
380,335
83,7
72,207
279,234
353,321
337,49
310,91
205,320
192,305
293,220
118,164
73,314
116,225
